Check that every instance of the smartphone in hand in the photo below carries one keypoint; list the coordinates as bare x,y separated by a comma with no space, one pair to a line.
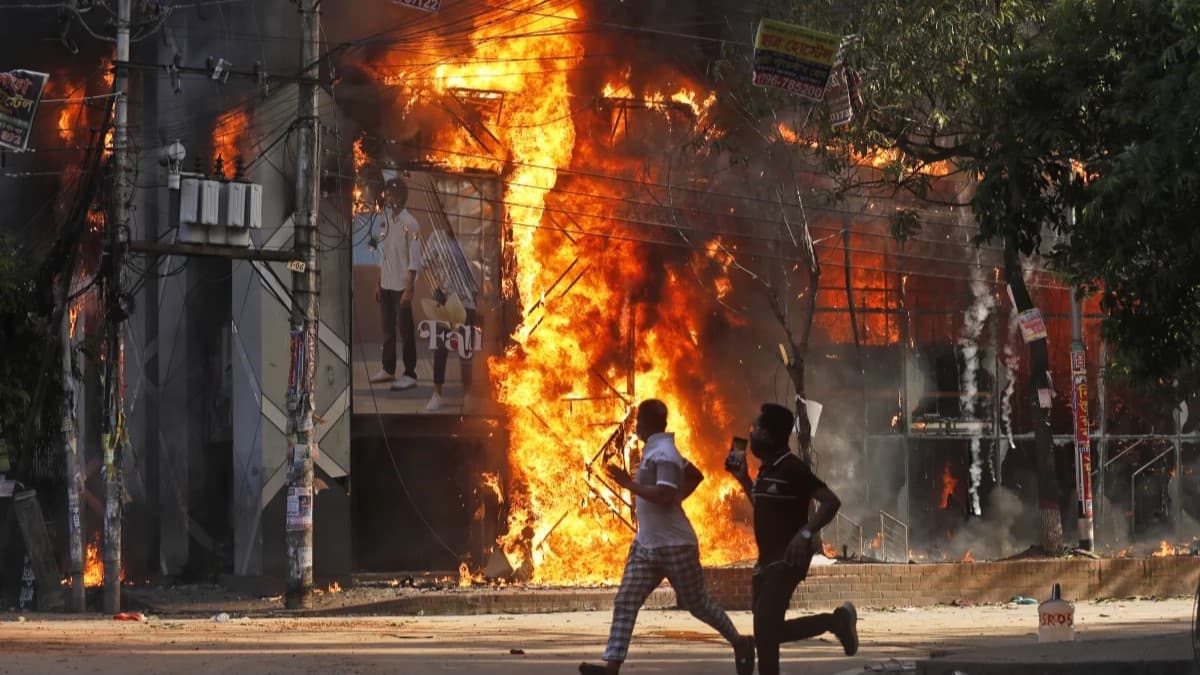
736,460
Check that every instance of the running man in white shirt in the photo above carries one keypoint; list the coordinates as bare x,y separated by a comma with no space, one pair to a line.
399,262
665,546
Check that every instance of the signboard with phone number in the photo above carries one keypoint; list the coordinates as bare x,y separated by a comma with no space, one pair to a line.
793,58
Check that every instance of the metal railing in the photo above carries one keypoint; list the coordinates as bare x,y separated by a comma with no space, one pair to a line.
893,538
1133,489
853,529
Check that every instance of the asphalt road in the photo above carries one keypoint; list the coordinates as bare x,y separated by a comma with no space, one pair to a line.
664,642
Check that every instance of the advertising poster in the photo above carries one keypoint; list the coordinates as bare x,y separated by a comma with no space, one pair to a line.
423,350
20,93
794,58
1033,327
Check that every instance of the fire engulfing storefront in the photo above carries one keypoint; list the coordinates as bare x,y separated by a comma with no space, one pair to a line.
650,245
602,221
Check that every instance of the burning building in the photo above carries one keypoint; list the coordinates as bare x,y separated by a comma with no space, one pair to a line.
621,231
635,262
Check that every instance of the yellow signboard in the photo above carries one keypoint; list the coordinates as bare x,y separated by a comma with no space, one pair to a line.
794,58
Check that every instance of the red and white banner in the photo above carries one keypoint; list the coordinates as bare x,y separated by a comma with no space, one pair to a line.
1083,443
1032,326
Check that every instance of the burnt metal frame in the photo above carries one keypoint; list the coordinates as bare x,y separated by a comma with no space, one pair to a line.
897,525
614,449
1133,489
624,104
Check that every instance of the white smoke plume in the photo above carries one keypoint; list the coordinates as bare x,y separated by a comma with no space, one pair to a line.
973,323
1009,360
1005,531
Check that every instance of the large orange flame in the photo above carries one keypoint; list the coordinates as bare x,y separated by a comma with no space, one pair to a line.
1165,550
949,485
66,129
877,158
360,159
93,566
229,137
570,376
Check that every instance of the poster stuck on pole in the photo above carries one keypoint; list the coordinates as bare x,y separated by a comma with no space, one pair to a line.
794,58
1033,327
299,509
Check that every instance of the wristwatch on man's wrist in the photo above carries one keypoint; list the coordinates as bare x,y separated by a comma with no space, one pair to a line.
806,533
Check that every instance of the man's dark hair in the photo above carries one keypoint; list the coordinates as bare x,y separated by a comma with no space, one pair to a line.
777,421
653,413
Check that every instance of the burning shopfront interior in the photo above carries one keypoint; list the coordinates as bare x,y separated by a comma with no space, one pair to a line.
618,228
643,235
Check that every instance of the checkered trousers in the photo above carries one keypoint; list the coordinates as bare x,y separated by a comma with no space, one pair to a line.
644,571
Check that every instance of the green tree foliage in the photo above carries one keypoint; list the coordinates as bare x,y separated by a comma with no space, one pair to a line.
930,69
1016,95
25,337
1113,86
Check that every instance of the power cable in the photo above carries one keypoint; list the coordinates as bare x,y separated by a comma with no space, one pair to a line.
570,172
629,220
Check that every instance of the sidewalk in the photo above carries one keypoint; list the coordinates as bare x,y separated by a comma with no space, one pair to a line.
665,642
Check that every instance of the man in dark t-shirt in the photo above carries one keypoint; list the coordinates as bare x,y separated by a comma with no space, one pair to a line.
783,530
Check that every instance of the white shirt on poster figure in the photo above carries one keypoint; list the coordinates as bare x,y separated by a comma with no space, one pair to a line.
399,247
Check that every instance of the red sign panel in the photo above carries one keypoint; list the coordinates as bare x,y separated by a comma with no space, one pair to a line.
1083,472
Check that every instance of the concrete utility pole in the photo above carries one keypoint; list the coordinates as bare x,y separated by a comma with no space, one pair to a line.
116,232
305,289
70,430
